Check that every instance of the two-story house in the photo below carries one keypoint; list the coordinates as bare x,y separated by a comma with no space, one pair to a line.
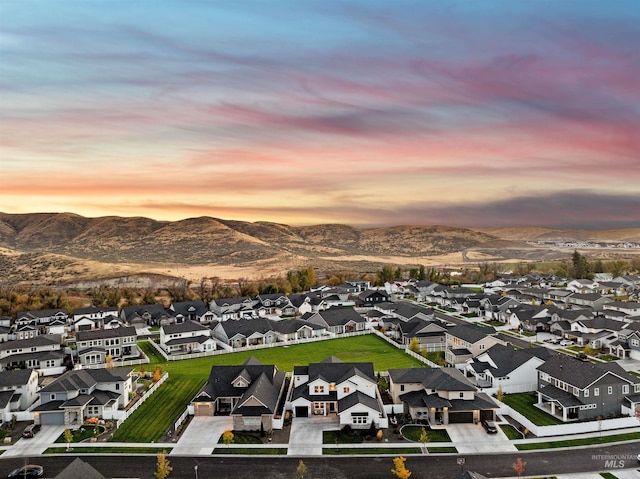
81,394
466,341
186,338
249,392
335,388
141,316
571,389
18,391
93,317
93,346
191,310
439,396
43,353
40,322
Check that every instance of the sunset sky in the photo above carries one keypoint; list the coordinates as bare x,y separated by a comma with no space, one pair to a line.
463,113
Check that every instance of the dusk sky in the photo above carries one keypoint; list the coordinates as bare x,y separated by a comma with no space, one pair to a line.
462,113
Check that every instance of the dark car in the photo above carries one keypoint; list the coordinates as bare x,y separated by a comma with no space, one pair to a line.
30,470
490,427
31,430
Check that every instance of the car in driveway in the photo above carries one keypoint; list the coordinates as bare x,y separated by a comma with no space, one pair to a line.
566,342
31,430
30,470
490,427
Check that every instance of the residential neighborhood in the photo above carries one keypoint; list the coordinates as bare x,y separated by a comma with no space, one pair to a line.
477,350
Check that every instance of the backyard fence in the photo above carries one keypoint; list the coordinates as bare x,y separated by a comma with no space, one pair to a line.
141,401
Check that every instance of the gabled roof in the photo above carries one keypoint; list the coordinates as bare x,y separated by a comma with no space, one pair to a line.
358,398
189,307
440,379
41,340
106,333
86,378
582,374
15,378
338,316
336,372
470,332
79,469
185,327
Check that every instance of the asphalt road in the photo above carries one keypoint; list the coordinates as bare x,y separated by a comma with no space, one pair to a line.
541,464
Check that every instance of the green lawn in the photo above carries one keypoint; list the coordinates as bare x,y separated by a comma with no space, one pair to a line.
270,451
587,441
412,433
341,437
108,450
510,431
243,438
159,412
374,451
524,404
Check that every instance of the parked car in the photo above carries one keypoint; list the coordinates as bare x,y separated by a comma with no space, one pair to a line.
566,342
490,427
30,470
31,430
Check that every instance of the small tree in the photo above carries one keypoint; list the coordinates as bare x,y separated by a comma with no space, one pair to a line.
164,468
379,435
424,436
399,469
157,374
518,466
227,437
414,345
499,393
68,437
109,361
301,470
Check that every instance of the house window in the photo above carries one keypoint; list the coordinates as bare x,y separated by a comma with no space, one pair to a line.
346,390
625,389
318,389
117,387
586,393
596,391
461,395
402,387
52,397
481,347
359,418
610,390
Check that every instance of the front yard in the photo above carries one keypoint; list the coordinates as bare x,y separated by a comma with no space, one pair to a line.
158,413
524,404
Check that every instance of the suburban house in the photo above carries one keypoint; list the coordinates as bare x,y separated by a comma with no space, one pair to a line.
596,333
628,343
622,310
338,320
270,305
81,394
253,332
186,338
430,334
404,311
18,391
439,396
513,370
232,308
41,321
370,297
93,317
145,315
94,346
466,341
592,301
307,303
43,353
191,310
335,388
571,389
250,393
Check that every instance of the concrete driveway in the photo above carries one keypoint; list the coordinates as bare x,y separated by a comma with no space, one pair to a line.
202,435
305,437
36,445
472,438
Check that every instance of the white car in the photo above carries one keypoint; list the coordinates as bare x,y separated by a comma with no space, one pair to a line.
566,342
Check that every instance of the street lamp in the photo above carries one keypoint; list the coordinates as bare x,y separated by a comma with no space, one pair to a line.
195,468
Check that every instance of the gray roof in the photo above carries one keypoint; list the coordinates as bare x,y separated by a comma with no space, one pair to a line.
79,469
106,333
15,378
86,378
338,316
440,379
355,398
40,340
563,397
580,373
470,332
185,327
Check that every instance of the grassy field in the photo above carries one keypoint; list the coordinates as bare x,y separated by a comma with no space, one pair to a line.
524,404
159,412
412,433
510,431
108,450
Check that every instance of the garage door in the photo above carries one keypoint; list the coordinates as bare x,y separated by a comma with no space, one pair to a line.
487,415
302,411
461,417
204,409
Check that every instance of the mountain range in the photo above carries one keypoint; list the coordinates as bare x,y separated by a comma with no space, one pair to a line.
29,243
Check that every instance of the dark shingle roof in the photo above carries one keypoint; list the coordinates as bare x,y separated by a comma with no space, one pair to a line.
580,373
106,333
